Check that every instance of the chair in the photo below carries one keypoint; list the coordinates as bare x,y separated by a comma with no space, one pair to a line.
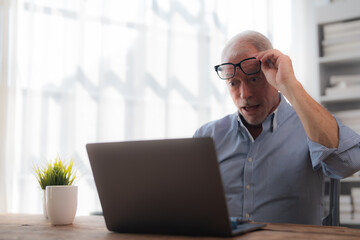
333,219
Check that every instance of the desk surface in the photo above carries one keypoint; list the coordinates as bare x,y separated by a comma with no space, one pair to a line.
31,227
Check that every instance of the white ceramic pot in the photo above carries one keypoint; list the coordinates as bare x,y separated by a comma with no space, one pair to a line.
43,191
61,204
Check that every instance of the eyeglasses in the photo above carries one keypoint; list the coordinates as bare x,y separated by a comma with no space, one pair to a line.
248,66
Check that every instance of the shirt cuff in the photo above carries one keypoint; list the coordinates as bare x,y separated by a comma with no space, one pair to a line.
347,139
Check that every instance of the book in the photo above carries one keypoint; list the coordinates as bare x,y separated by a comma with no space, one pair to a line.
344,91
346,205
350,118
342,38
355,195
355,113
333,36
342,48
341,26
345,80
346,217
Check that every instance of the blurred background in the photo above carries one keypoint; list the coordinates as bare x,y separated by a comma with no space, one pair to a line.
80,71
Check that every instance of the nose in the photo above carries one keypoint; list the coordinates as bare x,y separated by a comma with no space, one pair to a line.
245,90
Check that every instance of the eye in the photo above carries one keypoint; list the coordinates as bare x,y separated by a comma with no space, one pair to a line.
233,83
254,79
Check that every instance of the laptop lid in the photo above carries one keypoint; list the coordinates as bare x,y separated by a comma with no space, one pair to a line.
168,186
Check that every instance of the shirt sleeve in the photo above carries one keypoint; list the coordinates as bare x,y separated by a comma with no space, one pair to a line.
197,134
200,133
338,162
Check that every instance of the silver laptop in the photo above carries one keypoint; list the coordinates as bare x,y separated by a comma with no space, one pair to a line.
168,186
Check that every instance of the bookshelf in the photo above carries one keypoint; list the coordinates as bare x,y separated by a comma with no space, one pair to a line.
338,26
338,32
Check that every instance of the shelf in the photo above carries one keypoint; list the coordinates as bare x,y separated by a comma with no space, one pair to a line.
340,98
350,222
338,11
353,57
337,23
347,180
351,179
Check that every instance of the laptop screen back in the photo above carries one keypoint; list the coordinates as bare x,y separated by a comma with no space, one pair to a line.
160,186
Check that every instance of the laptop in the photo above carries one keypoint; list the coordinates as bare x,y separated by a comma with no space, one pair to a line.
170,186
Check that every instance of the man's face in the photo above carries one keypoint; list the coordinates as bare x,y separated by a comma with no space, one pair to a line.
253,96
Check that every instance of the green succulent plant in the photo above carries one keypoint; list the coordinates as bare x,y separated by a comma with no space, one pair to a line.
55,173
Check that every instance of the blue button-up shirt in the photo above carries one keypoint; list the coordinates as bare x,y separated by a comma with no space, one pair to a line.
278,177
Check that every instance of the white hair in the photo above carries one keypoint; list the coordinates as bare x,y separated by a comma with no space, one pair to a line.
236,44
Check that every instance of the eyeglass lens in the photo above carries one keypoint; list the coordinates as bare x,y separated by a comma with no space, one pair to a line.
249,66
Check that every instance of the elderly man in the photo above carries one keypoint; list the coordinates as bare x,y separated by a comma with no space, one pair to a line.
273,155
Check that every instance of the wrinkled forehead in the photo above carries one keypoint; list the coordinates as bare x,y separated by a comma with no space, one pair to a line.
235,52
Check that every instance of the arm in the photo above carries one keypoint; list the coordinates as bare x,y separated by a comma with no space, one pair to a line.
338,162
319,124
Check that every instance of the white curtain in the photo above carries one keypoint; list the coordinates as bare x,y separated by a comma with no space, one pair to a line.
80,71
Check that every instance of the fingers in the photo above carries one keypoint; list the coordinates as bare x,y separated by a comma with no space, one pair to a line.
270,63
269,58
268,54
277,67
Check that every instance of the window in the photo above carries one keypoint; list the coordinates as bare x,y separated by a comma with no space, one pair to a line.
85,71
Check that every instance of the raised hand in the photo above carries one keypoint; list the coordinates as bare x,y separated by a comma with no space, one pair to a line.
277,68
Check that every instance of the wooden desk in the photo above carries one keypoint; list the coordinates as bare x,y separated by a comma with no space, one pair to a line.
35,227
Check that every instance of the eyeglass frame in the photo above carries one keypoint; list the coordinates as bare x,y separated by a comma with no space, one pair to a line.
237,65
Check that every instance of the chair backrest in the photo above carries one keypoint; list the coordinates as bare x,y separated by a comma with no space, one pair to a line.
333,219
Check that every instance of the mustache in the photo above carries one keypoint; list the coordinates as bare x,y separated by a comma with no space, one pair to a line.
248,103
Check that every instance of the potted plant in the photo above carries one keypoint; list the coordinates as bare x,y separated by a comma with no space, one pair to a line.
57,173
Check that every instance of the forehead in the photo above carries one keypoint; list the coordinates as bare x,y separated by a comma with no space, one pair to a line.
237,52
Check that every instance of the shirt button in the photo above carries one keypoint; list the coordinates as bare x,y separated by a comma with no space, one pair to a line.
248,187
250,159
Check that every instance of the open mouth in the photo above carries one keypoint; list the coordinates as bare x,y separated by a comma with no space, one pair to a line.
251,109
